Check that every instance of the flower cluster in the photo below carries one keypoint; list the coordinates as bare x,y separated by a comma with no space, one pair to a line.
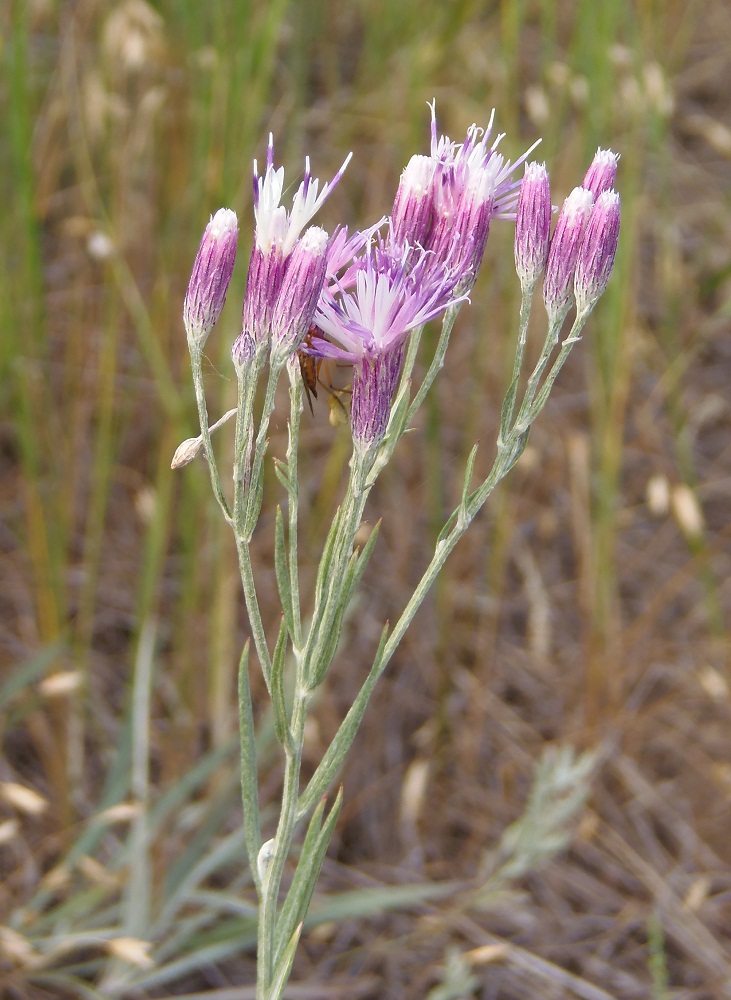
428,261
366,292
579,257
392,294
446,201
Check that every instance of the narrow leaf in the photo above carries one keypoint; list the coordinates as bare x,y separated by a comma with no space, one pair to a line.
249,770
508,407
448,525
285,967
362,560
306,885
282,473
292,912
469,470
279,708
282,572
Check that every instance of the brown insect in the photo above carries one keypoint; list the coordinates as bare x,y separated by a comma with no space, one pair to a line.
310,368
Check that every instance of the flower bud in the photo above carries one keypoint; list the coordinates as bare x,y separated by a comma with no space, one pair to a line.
532,225
411,215
558,283
263,282
211,276
297,300
597,251
601,174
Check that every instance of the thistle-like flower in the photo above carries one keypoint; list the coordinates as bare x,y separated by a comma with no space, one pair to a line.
558,282
532,225
211,276
276,234
391,296
446,201
597,252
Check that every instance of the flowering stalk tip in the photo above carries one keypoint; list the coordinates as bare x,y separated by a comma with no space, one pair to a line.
211,276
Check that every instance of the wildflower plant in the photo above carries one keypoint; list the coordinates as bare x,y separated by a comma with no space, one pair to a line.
364,299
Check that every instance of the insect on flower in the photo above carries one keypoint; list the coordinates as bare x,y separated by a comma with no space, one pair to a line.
310,367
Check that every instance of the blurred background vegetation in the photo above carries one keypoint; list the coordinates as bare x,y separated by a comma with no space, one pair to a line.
589,608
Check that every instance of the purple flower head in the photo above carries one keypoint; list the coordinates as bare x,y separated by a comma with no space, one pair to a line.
299,292
532,225
602,172
342,254
558,283
597,251
276,228
211,276
447,200
276,234
390,296
368,323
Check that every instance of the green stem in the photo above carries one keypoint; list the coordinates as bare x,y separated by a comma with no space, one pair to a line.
532,406
333,567
252,608
249,770
196,355
247,383
271,877
295,395
508,409
507,452
535,378
247,481
256,486
437,361
410,357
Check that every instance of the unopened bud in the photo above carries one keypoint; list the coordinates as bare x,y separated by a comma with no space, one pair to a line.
597,251
211,276
532,225
601,174
558,283
300,290
411,216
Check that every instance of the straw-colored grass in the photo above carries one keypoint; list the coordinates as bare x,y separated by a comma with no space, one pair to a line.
589,608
